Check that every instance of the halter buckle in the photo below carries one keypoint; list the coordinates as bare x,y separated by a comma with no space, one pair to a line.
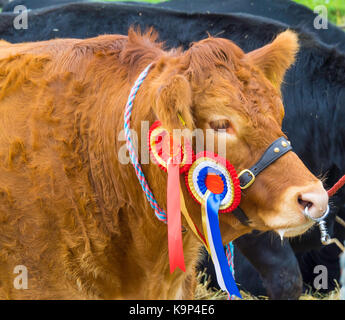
250,174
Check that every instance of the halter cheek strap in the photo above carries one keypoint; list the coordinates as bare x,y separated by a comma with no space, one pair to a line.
277,149
247,177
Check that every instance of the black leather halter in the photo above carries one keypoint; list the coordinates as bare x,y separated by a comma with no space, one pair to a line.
247,177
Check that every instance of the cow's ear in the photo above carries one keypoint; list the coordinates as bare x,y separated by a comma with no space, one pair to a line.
173,103
275,58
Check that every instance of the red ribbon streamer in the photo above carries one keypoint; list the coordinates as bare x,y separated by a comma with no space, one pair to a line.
176,258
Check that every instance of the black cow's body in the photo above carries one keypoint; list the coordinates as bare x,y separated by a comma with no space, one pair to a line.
314,98
285,11
3,3
9,6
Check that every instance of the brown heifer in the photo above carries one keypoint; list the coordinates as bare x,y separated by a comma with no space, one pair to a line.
76,217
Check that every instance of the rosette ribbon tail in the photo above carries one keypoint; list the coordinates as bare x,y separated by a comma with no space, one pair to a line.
175,245
223,273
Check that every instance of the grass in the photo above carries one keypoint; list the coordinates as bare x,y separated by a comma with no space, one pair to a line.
335,9
202,293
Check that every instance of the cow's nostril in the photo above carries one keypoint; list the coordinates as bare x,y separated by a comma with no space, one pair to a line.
315,200
303,203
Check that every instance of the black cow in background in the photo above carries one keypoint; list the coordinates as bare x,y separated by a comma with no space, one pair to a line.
314,95
9,5
285,11
3,3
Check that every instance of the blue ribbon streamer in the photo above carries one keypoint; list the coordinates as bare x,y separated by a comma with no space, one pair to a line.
213,203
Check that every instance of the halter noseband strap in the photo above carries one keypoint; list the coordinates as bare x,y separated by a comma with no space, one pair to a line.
247,177
277,149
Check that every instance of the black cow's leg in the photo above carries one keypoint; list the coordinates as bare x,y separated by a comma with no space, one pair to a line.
274,260
324,256
311,240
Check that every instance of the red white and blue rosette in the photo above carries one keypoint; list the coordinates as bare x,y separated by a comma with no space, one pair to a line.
212,181
214,173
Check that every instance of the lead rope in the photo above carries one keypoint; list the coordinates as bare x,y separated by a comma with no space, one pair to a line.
328,240
325,237
159,212
229,249
337,186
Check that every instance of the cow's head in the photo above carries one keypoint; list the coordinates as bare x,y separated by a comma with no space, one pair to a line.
215,85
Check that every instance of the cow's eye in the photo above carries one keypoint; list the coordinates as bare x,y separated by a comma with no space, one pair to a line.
223,124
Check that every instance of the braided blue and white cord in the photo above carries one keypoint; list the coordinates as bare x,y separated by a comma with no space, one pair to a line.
160,213
229,250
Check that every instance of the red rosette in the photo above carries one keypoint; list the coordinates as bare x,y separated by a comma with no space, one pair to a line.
161,148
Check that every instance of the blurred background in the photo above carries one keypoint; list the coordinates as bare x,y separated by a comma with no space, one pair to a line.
335,8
